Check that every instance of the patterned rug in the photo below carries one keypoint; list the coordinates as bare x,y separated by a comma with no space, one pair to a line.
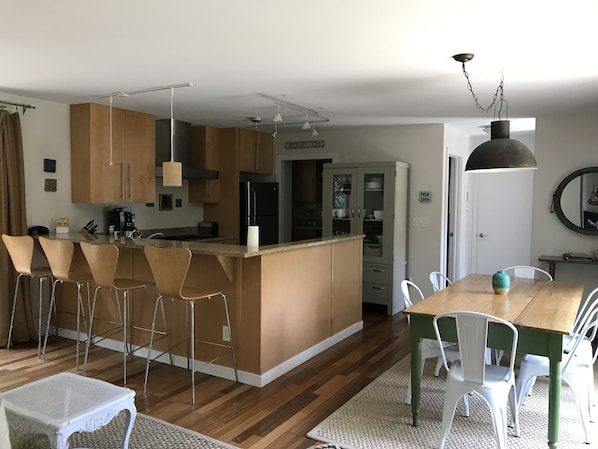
147,433
378,418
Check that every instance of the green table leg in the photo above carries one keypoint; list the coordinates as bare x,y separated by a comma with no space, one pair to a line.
416,369
554,403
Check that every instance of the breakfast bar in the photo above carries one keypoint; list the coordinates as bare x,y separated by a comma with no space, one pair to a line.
288,302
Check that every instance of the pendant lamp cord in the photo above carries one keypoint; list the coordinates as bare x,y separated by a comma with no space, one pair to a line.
172,124
111,100
498,95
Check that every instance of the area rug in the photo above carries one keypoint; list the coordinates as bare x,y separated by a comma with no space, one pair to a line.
147,433
378,418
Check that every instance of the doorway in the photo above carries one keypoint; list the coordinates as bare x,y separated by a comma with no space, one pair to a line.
301,197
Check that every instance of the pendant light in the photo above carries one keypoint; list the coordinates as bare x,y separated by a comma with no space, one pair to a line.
277,118
172,171
306,124
500,153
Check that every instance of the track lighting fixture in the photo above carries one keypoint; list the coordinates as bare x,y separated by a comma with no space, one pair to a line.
286,113
314,133
277,118
500,153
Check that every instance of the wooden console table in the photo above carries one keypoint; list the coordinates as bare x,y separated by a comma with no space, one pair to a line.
552,261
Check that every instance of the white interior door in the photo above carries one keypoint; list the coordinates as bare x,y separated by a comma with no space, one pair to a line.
502,220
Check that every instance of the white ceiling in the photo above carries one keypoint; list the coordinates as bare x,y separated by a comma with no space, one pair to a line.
379,62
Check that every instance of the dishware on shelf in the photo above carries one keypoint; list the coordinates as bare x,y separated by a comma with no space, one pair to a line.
378,214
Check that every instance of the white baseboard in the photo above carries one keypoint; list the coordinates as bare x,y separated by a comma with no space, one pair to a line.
224,372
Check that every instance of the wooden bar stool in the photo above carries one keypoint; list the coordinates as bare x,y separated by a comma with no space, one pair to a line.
169,267
103,261
20,249
60,257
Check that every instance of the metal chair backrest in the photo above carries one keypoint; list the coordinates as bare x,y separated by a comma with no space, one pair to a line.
585,311
405,288
439,281
528,272
102,261
20,249
169,268
589,330
60,256
472,336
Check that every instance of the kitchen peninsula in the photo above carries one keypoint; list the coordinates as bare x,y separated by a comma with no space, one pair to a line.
288,302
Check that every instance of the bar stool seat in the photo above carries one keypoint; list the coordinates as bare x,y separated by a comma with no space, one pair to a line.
169,268
20,249
103,261
60,257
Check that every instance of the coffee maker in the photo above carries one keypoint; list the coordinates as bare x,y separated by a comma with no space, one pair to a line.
120,221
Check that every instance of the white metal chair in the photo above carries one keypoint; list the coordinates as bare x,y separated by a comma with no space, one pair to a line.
577,371
439,281
20,250
528,272
471,374
430,348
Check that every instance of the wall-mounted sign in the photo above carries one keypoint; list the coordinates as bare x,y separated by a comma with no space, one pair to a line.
304,144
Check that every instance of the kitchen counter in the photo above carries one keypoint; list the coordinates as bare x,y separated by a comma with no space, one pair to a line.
204,247
287,302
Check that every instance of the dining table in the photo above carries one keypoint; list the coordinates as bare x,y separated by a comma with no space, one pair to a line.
542,311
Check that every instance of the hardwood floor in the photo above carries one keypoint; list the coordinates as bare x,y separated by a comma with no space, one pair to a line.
275,416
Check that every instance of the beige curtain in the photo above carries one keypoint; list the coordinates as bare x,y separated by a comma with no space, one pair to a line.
12,221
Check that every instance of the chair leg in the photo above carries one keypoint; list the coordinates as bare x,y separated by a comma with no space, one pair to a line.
12,315
151,341
125,331
192,343
448,411
230,335
91,313
52,301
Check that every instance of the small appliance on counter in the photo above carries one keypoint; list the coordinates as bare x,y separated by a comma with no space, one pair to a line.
208,229
120,221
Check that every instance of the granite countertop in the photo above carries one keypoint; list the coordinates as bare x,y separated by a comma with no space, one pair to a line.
203,247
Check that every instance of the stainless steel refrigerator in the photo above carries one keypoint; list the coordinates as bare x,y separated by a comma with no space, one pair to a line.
259,207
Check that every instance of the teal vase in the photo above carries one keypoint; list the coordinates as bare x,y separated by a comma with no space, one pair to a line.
501,282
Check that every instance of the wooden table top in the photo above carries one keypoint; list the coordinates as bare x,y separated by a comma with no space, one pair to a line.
548,306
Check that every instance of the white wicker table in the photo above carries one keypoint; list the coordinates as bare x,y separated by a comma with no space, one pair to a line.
60,405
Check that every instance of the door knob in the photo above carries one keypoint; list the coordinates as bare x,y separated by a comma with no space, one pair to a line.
482,235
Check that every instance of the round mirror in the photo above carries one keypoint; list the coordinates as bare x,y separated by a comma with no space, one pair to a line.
576,201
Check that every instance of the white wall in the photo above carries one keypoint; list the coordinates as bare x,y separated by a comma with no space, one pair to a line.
419,145
563,145
46,134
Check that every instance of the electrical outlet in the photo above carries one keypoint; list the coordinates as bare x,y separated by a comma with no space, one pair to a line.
420,222
225,333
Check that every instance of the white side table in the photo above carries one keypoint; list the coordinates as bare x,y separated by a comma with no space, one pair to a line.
65,403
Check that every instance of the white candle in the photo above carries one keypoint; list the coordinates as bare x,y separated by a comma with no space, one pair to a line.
253,236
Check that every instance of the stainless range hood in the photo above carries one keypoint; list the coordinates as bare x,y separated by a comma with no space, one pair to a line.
182,149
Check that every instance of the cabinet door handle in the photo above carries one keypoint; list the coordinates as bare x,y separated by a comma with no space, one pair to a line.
352,213
359,212
378,288
129,179
122,182
378,270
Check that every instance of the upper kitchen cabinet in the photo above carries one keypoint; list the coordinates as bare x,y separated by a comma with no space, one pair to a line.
256,151
370,198
124,173
206,143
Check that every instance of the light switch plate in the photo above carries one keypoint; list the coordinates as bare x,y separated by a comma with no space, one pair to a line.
425,197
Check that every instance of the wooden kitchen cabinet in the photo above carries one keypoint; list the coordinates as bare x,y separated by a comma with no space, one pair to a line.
125,176
206,142
256,151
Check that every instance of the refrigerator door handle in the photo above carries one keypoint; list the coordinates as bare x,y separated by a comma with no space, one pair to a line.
253,207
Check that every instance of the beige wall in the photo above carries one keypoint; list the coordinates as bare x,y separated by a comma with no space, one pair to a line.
419,145
563,145
46,134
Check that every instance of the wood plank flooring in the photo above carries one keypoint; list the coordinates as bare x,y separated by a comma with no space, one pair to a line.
273,417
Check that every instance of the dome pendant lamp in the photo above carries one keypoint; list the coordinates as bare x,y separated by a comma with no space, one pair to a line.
500,153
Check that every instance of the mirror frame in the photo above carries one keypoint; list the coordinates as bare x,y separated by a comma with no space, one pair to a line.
557,201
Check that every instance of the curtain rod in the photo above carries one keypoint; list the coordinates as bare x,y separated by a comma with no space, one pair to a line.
4,103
